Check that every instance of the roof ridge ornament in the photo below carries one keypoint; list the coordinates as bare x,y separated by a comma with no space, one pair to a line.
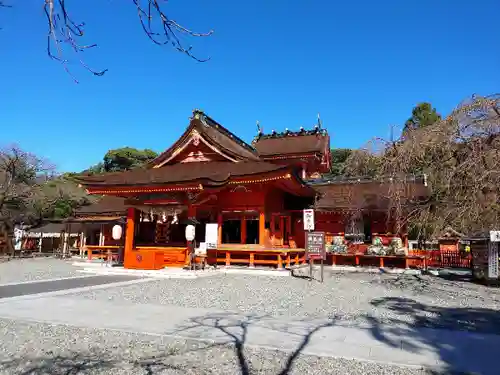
259,129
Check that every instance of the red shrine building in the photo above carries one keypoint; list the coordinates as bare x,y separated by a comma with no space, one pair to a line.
249,196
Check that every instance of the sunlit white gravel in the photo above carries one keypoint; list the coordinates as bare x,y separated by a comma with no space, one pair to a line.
425,300
34,348
20,270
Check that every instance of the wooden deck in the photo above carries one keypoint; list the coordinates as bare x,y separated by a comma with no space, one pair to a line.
255,255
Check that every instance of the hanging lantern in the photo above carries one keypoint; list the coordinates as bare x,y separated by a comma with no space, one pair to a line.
117,232
190,232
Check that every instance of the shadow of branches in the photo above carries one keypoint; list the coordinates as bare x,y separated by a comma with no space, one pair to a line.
461,337
233,329
228,333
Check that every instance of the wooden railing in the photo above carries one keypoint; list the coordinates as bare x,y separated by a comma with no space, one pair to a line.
254,257
106,253
361,259
445,259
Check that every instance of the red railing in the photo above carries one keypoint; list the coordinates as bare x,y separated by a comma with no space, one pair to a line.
444,259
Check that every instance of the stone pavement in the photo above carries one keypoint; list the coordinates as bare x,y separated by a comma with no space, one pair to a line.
439,349
44,286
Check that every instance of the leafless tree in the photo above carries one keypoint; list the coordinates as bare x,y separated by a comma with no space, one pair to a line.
460,157
64,31
19,181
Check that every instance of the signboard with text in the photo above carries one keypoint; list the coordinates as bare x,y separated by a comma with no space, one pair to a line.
495,235
315,245
493,260
211,235
308,218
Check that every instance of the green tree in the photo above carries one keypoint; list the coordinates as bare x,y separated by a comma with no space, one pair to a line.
339,157
422,115
61,195
126,158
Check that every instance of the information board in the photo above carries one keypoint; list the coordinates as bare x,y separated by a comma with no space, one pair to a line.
315,245
211,235
495,235
493,260
308,218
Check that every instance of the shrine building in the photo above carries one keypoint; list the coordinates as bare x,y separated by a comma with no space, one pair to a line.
252,197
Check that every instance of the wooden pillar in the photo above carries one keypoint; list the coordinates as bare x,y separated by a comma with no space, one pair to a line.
129,235
280,262
262,228
272,232
243,231
282,230
219,228
101,235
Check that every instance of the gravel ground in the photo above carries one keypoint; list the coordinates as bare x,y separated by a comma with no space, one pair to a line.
33,348
356,298
19,270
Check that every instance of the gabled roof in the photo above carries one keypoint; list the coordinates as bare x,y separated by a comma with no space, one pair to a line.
214,135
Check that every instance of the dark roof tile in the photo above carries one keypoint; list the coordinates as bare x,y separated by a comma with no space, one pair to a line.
292,144
201,172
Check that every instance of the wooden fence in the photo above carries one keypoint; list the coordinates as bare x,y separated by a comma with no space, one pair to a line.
444,259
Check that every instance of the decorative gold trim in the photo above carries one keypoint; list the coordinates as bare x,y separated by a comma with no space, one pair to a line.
192,135
290,156
256,181
148,190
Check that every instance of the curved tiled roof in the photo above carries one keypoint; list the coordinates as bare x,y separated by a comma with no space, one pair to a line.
106,205
207,127
303,141
201,172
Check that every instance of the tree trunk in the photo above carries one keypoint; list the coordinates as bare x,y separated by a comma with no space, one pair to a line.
6,246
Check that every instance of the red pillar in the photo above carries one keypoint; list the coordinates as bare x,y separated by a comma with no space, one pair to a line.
129,236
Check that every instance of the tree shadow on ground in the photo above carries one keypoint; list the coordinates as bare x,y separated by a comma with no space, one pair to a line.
461,337
229,330
233,328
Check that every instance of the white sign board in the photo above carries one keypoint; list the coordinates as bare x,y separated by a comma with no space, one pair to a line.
211,235
493,260
202,249
308,219
495,235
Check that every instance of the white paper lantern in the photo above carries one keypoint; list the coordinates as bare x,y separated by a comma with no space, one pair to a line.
117,232
190,232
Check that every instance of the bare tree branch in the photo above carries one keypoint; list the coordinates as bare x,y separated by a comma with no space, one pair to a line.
170,29
460,157
63,31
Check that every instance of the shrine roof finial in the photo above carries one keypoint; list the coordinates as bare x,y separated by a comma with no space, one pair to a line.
317,129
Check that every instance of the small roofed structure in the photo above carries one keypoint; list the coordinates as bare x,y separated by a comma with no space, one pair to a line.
449,241
51,236
106,209
97,221
310,149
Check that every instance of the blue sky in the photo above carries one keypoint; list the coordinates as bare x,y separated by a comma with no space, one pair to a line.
362,64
